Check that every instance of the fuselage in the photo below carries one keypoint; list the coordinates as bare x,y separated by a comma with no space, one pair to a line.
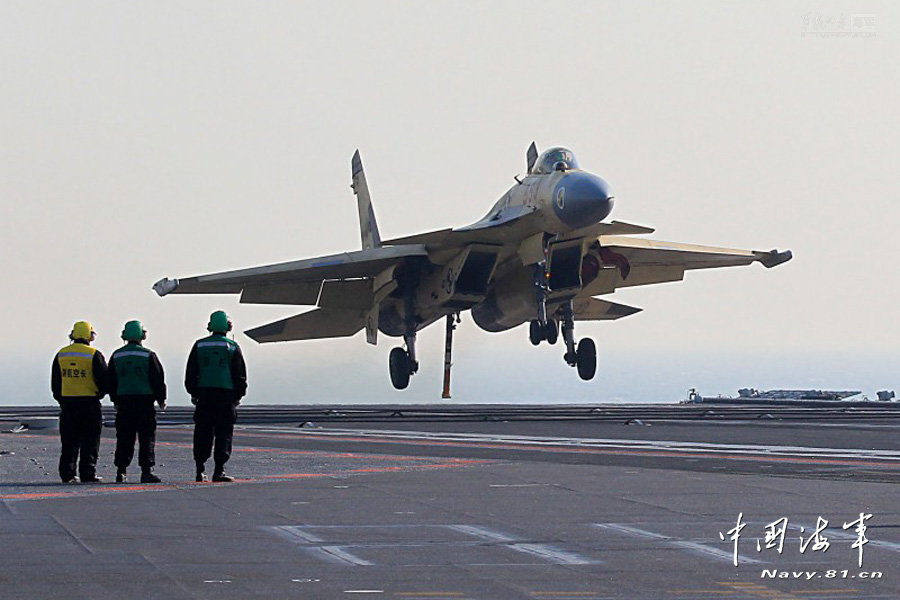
554,199
566,200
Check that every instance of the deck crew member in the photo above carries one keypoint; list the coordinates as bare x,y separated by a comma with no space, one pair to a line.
216,379
78,382
136,382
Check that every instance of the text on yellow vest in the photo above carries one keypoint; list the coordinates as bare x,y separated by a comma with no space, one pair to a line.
76,365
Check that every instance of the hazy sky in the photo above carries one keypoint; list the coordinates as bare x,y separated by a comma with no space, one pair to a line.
142,140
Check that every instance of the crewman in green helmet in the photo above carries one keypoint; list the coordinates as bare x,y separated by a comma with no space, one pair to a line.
136,382
78,382
216,379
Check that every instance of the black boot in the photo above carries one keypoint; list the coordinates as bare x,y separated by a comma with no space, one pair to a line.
219,475
121,476
147,476
201,476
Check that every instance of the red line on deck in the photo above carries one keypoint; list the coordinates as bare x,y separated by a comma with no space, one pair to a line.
102,490
600,451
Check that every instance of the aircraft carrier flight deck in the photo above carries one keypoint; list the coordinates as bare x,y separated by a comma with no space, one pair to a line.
479,502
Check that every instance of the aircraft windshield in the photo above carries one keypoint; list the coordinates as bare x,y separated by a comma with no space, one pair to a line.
547,161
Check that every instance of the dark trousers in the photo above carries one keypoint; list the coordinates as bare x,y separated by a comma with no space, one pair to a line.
136,417
213,418
80,424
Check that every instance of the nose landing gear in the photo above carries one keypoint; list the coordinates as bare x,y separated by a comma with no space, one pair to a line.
548,332
583,356
543,328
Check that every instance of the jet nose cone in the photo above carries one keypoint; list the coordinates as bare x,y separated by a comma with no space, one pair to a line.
582,199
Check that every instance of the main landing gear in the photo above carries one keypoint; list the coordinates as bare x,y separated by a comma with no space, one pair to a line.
583,356
403,362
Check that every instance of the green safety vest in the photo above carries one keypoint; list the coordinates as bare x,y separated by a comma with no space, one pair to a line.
132,364
214,355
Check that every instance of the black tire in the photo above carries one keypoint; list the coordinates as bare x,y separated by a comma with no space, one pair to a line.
552,331
399,364
587,359
535,333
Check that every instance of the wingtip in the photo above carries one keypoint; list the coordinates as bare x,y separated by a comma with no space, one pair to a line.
165,286
773,258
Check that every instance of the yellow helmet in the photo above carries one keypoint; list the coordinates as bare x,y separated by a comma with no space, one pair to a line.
82,330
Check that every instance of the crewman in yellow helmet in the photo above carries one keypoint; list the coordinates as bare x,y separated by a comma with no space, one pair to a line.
78,382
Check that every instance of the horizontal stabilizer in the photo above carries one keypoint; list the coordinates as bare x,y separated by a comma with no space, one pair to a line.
313,325
594,309
292,292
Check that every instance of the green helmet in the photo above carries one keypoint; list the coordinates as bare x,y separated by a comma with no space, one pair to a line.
134,332
219,322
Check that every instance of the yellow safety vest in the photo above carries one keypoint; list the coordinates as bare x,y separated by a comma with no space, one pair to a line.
76,365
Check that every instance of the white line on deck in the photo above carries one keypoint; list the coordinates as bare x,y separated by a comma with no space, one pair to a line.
693,547
621,444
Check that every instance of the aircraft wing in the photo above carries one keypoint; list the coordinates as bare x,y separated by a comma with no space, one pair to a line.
653,253
640,261
296,282
505,229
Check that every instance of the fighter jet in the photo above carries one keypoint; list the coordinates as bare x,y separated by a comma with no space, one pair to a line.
541,255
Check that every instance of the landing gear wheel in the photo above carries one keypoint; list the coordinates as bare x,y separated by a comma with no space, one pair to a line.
400,371
536,333
551,333
586,356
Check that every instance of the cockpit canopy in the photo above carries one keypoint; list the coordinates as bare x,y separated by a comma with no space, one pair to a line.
554,159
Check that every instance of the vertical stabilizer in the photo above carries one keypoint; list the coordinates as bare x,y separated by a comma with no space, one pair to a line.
531,156
368,228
